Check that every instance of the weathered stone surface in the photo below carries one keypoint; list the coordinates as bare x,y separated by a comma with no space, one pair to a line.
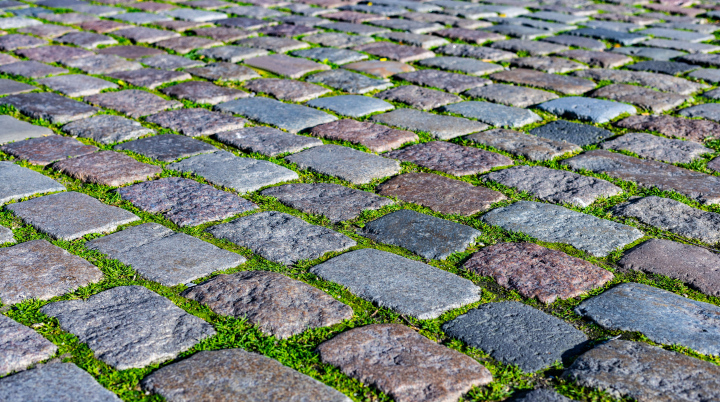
462,64
167,147
658,148
279,45
6,235
532,147
542,395
21,347
450,82
535,48
130,326
130,52
710,111
288,30
647,173
560,83
376,137
418,97
576,41
86,40
336,39
553,223
558,186
40,270
106,129
592,110
351,105
518,31
682,45
425,235
76,85
145,35
17,182
346,163
403,364
149,77
222,71
445,19
535,271
661,66
598,59
196,122
692,130
450,158
54,54
203,92
282,238
416,27
662,316
645,98
576,133
266,140
493,114
290,117
517,334
354,17
49,106
511,95
392,51
102,64
232,54
58,382
16,41
622,38
547,64
477,52
280,306
382,69
290,90
661,82
12,129
170,62
442,127
132,102
358,29
332,55
242,23
280,64
45,150
423,41
12,87
106,167
440,194
31,69
241,174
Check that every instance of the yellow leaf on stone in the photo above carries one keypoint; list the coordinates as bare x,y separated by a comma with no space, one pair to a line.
383,59
502,15
486,60
616,45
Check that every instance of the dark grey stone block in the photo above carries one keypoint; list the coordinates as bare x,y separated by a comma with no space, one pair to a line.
57,382
580,134
290,117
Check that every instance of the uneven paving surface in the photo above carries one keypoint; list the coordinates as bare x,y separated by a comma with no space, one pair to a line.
351,200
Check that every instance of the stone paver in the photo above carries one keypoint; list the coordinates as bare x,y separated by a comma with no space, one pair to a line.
587,109
222,71
266,140
531,147
576,133
289,117
196,122
54,54
149,77
517,334
556,186
45,150
203,92
662,316
76,85
12,129
21,346
547,64
542,395
462,64
658,148
535,271
18,182
401,53
493,114
238,375
280,306
132,102
31,69
451,158
692,130
167,147
130,326
58,382
345,163
661,82
418,97
232,54
450,82
11,87
440,126
598,59
645,98
477,52
534,48
421,370
351,105
106,129
280,64
102,64
556,224
511,95
332,55
281,238
378,68
559,83
376,137
170,62
130,52
349,81
335,39
107,168
49,106
288,90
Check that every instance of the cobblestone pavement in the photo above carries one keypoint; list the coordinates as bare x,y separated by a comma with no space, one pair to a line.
369,200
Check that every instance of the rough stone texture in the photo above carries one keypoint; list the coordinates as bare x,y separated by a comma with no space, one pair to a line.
196,122
40,270
622,38
511,95
290,90
542,395
45,150
661,66
332,55
535,271
12,129
266,140
170,62
556,224
106,129
560,83
531,147
647,173
346,163
17,182
351,105
692,130
534,48
149,77
598,59
232,54
592,110
86,40
11,87
382,69
6,235
376,137
349,81
21,347
645,98
517,334
406,286
403,364
280,64
289,117
493,114
450,158
547,64
662,316
132,102
222,71
54,54
15,41
107,168
280,306
130,52
442,127
203,92
279,45
335,39
462,64
576,133
145,35
241,174
661,82
558,186
167,147
427,236
282,238
185,202
392,51
31,69
71,215
418,97
130,326
450,82
440,194
102,64
76,85
49,106
62,382
164,256
645,373
658,148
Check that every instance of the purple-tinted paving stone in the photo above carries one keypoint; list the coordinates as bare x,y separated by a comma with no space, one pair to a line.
19,182
587,109
468,35
517,334
446,81
658,148
422,370
532,147
170,62
383,69
560,83
16,41
286,116
345,163
278,45
59,382
645,98
49,106
534,48
40,270
462,64
107,167
645,373
287,30
377,138
535,271
511,95
232,54
196,122
106,129
76,85
185,44
440,126
131,52
167,147
547,64
647,173
353,16
692,130
145,35
661,82
281,64
7,59
54,54
493,114
425,235
86,40
241,22
11,87
224,34
45,150
130,326
71,215
266,140
203,92
282,238
133,102
351,105
102,64
336,39
222,71
237,375
335,202
349,81
100,26
31,69
477,52
575,133
418,97
290,90
149,77
47,31
401,53
556,186
450,158
21,346
280,306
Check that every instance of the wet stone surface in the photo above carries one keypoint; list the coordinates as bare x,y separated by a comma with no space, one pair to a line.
451,158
